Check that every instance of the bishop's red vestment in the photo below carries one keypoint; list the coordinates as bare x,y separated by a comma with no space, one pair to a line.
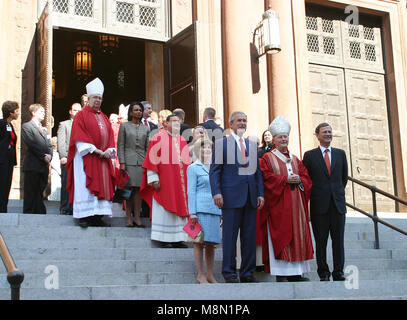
92,127
285,210
168,156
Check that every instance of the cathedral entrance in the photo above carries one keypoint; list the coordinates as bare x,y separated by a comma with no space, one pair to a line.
79,57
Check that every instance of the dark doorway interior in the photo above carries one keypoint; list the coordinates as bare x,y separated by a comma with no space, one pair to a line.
122,72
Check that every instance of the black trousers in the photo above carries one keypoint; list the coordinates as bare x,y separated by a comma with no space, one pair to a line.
332,223
6,177
34,187
64,204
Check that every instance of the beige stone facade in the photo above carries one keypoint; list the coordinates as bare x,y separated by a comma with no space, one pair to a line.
229,78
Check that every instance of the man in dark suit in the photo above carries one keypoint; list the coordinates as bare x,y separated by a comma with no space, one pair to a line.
63,135
185,129
328,169
146,115
36,161
237,188
214,131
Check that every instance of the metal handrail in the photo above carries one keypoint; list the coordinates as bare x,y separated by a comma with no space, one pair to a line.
374,217
14,275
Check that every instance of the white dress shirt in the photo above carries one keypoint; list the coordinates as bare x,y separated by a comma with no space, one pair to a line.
329,153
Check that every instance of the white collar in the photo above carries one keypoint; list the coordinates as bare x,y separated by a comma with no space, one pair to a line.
236,137
36,121
323,149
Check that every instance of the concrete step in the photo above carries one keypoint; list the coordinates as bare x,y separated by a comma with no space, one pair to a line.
379,289
187,265
37,280
70,232
159,254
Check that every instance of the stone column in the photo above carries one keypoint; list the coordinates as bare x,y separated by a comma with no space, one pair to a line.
245,80
209,56
288,74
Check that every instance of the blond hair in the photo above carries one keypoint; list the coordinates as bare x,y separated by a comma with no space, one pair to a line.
199,144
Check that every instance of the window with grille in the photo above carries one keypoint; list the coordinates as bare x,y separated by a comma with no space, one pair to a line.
148,16
338,43
324,35
60,6
84,8
125,12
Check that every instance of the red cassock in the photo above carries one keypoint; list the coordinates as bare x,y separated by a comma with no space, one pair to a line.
285,210
99,172
169,157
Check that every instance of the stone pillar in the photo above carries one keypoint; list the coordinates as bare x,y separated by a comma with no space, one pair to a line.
283,84
288,85
17,38
209,56
245,80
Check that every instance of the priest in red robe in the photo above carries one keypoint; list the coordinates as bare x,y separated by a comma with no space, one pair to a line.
164,184
284,219
90,168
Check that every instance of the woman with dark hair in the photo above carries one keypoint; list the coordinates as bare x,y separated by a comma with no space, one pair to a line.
8,146
266,143
131,148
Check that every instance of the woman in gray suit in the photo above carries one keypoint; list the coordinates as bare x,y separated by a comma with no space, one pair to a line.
131,148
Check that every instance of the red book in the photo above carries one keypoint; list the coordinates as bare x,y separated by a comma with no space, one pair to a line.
192,228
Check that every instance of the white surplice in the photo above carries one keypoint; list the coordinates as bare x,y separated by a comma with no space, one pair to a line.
86,204
165,226
283,267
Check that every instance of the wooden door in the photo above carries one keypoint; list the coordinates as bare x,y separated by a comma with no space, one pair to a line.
328,100
43,90
181,76
369,137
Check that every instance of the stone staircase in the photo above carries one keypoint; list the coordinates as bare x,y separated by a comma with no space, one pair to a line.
62,261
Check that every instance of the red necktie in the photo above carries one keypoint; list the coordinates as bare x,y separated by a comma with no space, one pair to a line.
145,122
327,162
243,151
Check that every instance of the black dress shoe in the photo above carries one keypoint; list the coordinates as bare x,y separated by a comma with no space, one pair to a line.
339,278
98,222
248,279
324,278
297,278
166,245
83,222
232,280
281,279
180,244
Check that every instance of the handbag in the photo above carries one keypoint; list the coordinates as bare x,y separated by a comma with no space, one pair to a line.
194,231
197,239
122,193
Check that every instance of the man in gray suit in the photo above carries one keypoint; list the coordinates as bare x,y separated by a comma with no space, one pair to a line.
36,161
64,134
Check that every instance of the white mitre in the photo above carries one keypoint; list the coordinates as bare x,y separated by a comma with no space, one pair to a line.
95,87
280,125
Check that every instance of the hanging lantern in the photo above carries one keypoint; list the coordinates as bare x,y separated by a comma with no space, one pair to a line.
271,27
83,59
108,43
